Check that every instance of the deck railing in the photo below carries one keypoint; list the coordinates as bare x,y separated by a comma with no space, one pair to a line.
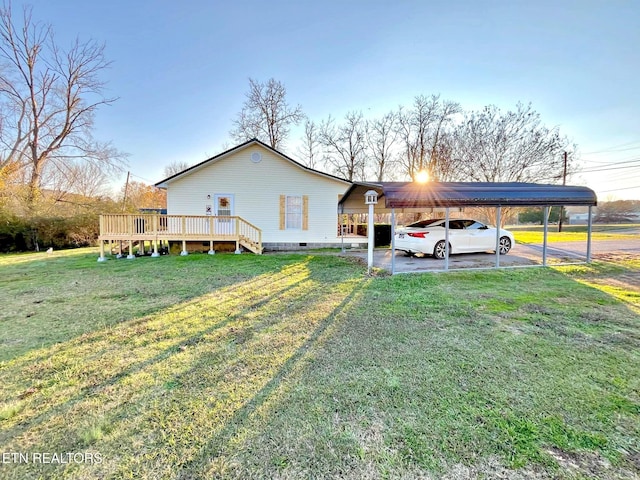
155,227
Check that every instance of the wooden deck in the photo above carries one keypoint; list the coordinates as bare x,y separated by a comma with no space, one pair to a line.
156,228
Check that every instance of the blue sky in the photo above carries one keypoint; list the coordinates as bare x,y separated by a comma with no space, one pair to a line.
181,69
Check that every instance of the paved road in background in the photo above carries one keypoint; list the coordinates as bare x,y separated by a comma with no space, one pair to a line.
520,255
598,247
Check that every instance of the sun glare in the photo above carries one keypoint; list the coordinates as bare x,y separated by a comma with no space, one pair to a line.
422,176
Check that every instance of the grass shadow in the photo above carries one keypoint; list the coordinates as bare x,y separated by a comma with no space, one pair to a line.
130,367
312,369
53,300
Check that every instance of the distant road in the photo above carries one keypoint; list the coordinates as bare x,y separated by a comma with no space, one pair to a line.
598,247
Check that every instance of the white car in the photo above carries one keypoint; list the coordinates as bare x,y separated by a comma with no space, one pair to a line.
465,236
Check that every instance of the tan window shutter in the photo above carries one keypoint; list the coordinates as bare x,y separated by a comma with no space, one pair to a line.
283,200
305,212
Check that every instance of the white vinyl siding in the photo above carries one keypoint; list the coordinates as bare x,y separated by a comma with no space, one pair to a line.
259,191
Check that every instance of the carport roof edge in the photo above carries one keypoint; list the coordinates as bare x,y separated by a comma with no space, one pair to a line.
466,194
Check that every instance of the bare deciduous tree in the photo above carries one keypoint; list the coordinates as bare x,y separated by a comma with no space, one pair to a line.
175,167
48,99
311,148
513,146
74,177
345,145
421,129
266,115
381,138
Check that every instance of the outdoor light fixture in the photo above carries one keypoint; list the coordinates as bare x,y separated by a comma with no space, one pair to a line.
371,197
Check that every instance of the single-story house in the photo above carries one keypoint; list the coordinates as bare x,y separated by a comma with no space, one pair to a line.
257,198
293,206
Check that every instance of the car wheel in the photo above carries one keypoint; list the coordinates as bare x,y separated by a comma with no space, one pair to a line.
410,254
504,245
439,250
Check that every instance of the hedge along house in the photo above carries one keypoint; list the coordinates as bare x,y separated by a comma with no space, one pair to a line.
250,196
406,197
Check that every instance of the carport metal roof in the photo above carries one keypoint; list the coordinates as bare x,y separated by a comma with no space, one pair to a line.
398,197
415,196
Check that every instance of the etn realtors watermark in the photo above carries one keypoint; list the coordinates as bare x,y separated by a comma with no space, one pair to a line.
51,458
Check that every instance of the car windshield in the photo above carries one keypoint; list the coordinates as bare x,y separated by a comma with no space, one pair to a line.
424,223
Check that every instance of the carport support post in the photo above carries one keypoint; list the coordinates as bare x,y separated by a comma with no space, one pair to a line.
446,238
393,241
498,221
544,236
589,226
371,239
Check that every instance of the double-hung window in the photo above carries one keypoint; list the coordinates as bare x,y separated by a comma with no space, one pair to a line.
293,213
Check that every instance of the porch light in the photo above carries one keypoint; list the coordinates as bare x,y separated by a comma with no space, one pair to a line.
371,197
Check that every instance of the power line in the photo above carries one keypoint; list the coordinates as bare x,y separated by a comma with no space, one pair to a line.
609,162
142,178
622,175
607,169
617,148
618,189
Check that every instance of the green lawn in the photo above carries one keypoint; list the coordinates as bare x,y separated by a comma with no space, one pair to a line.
301,366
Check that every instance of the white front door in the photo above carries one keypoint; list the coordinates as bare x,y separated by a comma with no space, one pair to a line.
223,207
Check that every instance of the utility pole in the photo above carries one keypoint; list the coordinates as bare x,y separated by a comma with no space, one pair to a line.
564,182
126,187
124,206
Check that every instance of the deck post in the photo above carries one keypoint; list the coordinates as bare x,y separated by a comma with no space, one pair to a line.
155,240
141,247
184,252
211,234
101,258
131,256
236,232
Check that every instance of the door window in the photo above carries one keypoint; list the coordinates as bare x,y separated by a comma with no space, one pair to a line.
224,206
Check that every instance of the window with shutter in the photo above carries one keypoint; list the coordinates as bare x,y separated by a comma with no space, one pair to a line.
294,212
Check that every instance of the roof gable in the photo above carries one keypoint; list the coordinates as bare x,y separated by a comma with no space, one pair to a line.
164,183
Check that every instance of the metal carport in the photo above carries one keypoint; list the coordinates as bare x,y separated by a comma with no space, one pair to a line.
403,197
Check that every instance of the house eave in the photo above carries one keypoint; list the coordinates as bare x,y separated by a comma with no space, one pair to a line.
165,183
